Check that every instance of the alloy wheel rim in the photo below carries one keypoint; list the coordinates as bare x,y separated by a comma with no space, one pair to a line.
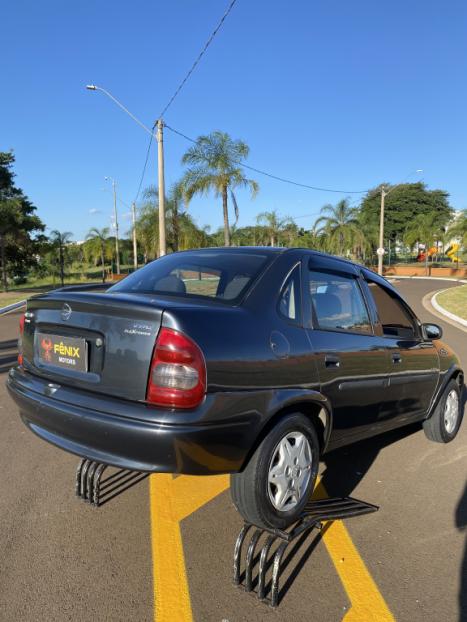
451,411
289,471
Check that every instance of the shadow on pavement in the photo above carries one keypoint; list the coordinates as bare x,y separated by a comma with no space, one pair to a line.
346,467
344,470
8,354
8,345
461,524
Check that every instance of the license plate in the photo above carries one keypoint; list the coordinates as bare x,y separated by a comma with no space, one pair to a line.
64,352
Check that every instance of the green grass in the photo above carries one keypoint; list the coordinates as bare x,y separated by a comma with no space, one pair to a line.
73,276
48,282
9,298
454,300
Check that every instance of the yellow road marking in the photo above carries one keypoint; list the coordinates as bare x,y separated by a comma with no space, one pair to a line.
367,602
172,500
193,492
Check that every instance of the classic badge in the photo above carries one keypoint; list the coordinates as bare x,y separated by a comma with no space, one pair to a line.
66,312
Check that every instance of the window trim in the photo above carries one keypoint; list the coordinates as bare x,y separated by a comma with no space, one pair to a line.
411,315
298,321
311,320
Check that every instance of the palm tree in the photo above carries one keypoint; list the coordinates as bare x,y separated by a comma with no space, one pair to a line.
458,229
339,224
173,202
366,236
423,229
215,165
60,239
273,224
99,237
191,236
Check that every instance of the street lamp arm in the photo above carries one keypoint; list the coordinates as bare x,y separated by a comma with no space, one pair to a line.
419,170
93,87
159,138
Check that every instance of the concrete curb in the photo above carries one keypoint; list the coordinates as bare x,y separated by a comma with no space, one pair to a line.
445,312
429,278
12,307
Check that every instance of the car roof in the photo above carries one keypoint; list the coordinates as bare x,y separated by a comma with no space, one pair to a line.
265,250
280,250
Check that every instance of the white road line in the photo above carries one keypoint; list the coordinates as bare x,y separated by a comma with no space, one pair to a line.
445,312
13,307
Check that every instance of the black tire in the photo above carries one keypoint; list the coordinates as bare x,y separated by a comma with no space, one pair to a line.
249,488
436,428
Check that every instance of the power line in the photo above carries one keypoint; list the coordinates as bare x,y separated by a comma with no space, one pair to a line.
201,54
276,177
144,167
296,183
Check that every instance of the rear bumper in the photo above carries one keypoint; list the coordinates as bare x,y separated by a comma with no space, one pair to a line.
214,438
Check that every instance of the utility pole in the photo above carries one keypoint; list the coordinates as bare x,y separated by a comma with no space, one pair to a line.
135,245
117,250
380,250
160,162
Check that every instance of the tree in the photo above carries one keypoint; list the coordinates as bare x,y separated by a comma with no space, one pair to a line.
9,218
215,166
19,226
173,203
98,238
181,231
339,224
423,229
458,228
59,240
403,203
366,238
274,225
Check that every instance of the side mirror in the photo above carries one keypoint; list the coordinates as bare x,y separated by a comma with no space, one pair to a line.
432,331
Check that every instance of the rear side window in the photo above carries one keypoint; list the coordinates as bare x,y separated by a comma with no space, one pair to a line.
394,319
289,299
207,274
337,303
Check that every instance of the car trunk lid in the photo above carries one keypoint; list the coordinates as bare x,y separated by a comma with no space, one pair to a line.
98,341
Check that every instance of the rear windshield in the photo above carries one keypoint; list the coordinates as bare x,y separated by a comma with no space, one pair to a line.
221,275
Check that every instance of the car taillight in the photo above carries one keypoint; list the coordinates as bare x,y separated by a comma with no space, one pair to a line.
20,340
178,371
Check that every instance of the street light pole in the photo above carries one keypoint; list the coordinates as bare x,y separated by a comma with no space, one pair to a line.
380,250
160,126
117,249
384,193
160,166
135,245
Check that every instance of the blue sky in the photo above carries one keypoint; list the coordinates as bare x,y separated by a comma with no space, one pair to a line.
335,94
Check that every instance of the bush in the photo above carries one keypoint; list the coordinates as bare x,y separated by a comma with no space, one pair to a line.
20,279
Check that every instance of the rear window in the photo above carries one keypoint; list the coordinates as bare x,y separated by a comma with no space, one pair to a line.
220,275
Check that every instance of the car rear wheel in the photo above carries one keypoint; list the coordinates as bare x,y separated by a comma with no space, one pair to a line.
278,480
445,421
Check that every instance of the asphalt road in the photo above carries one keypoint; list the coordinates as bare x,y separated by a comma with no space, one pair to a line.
62,560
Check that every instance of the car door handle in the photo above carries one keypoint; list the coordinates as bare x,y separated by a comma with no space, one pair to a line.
396,358
331,360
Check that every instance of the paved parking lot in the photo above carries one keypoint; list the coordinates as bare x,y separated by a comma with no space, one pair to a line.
171,539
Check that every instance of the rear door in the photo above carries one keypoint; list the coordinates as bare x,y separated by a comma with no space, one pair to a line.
352,359
414,362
